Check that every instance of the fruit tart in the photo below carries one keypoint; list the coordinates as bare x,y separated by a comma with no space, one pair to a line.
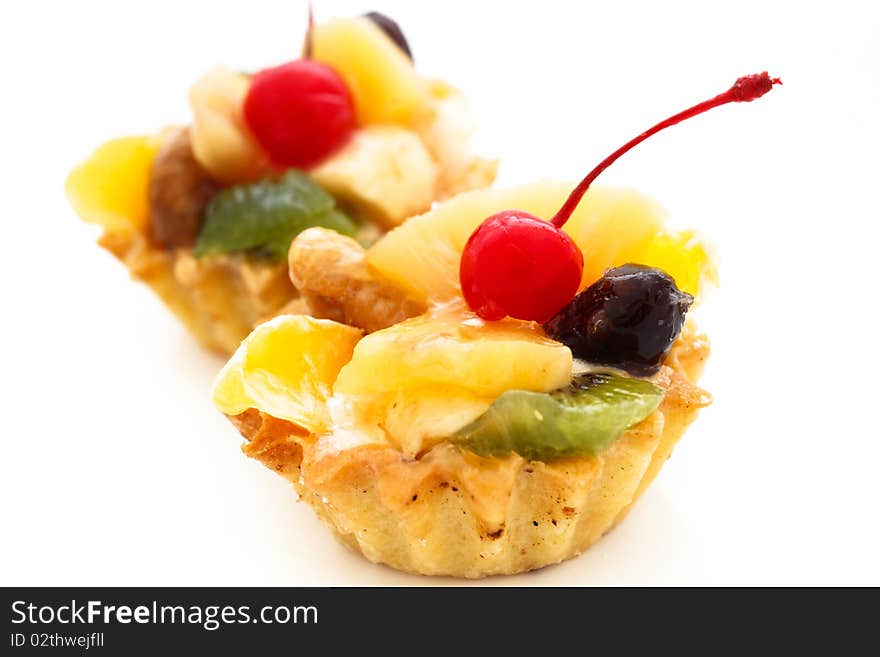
349,137
483,391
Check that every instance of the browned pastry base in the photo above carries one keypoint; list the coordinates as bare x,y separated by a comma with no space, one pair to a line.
450,512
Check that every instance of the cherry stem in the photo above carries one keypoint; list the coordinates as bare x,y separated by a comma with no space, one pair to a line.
307,45
744,90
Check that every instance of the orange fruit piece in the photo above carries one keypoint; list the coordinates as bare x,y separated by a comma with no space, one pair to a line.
111,187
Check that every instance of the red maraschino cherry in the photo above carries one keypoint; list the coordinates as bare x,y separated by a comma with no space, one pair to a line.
301,111
518,265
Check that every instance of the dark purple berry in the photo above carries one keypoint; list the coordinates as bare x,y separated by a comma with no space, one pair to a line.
627,319
392,30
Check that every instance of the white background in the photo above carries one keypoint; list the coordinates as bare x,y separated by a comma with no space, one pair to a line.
116,470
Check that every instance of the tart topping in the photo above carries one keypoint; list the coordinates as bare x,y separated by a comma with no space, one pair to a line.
264,217
286,367
381,78
392,31
221,140
330,271
519,266
110,188
420,380
300,112
628,319
511,266
611,226
581,419
449,347
383,174
180,189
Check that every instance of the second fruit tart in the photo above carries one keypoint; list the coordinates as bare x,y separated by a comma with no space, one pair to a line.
349,137
492,391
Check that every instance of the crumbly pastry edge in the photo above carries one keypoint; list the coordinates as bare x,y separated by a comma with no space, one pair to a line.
452,513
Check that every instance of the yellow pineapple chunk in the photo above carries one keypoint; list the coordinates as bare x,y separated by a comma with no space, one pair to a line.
111,187
449,346
611,226
384,173
381,78
684,256
221,140
286,368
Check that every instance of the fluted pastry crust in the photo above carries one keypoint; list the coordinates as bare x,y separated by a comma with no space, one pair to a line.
450,512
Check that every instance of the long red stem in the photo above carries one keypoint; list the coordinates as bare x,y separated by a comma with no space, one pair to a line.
745,89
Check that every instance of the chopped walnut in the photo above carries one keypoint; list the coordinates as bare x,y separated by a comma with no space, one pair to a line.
180,189
331,273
